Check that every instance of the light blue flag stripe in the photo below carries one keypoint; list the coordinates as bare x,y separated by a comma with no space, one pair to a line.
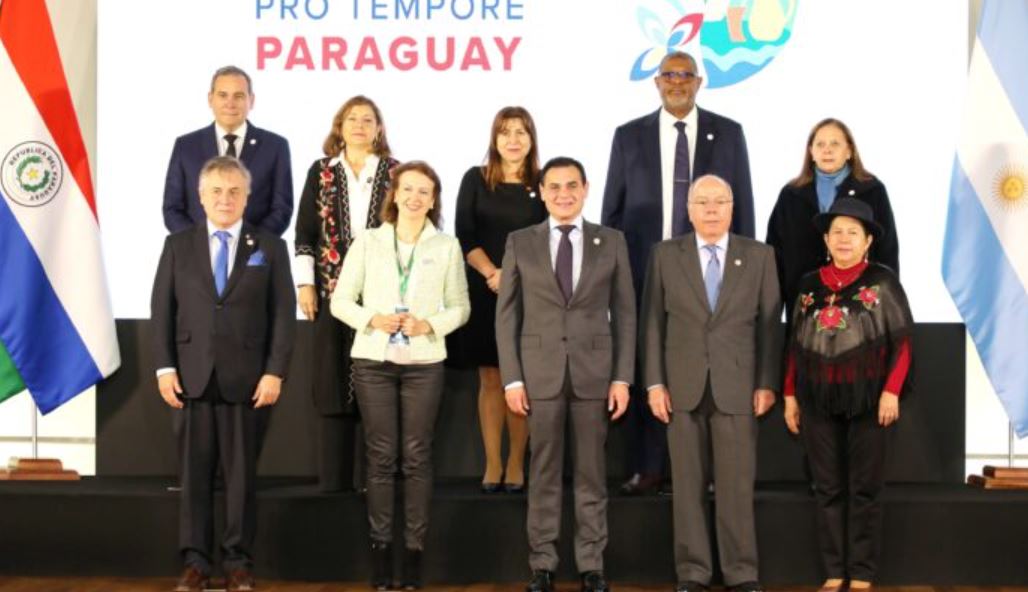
990,297
1003,32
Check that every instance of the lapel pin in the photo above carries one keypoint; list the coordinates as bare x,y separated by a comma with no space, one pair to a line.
253,141
596,241
710,136
249,240
853,192
738,262
531,194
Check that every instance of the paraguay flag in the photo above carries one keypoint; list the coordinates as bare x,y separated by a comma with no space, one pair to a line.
985,257
57,334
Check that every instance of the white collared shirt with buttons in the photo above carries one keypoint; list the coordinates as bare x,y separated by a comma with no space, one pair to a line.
575,236
668,143
722,250
240,134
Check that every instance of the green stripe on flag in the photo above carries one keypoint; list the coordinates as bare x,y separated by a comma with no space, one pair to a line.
10,381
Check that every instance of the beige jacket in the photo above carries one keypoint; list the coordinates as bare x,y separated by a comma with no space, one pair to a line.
369,284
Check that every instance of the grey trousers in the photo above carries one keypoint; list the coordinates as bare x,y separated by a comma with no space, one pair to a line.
399,405
546,432
696,440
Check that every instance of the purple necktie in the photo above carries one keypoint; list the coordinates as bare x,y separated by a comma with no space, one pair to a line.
564,261
682,176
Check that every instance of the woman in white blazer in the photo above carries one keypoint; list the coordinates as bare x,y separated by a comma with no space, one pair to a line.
402,288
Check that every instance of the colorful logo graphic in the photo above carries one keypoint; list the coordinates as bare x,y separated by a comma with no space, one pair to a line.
737,38
31,174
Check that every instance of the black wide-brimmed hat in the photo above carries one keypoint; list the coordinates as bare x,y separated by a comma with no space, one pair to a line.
852,208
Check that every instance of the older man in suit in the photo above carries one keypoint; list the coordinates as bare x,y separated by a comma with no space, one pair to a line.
223,313
710,353
652,162
265,154
565,330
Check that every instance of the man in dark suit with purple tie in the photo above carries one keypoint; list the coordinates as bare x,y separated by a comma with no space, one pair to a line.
265,154
653,159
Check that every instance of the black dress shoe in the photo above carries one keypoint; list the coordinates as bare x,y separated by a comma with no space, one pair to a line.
748,587
593,581
690,586
542,581
381,566
411,579
492,487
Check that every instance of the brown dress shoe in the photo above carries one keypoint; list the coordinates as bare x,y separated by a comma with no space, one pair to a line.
240,580
191,580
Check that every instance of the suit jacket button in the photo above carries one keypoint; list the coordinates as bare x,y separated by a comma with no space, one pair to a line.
219,306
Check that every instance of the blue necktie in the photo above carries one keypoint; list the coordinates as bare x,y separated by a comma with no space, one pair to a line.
680,188
221,261
712,277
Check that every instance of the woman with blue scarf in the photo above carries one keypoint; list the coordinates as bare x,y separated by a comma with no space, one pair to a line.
831,169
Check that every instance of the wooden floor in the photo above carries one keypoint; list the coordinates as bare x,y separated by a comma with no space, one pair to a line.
21,584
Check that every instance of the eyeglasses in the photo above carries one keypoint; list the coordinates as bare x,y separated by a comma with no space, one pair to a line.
672,76
703,203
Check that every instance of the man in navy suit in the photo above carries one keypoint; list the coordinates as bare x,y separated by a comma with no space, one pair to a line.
653,160
265,154
223,313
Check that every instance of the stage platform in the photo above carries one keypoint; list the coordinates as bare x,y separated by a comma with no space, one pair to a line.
935,534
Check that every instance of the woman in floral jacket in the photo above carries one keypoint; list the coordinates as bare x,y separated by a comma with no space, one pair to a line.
849,357
342,196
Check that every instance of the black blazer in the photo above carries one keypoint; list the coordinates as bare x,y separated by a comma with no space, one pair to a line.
633,196
245,333
266,156
800,248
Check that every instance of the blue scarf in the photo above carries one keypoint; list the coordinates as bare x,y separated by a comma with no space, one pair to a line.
826,185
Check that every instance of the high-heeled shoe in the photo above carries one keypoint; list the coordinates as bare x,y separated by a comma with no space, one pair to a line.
491,487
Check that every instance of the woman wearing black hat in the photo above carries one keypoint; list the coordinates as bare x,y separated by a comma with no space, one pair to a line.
832,168
848,360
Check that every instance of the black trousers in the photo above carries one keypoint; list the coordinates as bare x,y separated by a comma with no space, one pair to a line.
217,433
847,463
399,405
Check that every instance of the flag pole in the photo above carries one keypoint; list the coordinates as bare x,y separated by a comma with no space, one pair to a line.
1010,444
35,429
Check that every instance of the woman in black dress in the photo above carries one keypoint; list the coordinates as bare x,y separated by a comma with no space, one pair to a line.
494,200
831,168
342,197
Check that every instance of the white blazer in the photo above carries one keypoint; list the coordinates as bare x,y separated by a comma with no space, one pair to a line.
369,284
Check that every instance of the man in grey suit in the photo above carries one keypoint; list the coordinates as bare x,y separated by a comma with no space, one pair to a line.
565,330
710,353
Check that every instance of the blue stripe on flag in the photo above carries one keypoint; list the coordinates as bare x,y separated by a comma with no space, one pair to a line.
1003,31
44,345
989,295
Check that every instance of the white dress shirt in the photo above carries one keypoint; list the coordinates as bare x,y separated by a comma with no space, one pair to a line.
575,236
240,134
668,142
358,191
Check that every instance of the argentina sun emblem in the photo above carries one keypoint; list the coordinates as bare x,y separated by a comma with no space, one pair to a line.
31,174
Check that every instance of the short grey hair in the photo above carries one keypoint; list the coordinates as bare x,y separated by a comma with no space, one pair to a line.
232,71
224,164
671,55
712,178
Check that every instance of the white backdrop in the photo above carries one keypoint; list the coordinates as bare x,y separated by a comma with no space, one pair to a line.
894,71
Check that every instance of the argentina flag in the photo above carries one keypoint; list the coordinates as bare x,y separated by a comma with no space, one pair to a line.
985,255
